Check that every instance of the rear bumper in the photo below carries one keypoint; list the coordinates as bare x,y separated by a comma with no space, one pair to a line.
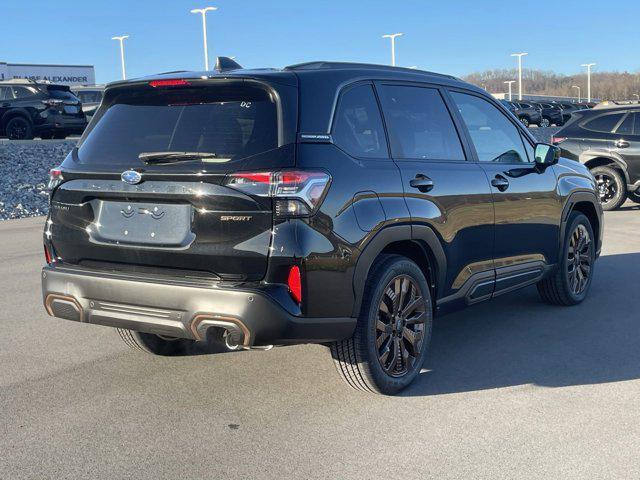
62,123
179,309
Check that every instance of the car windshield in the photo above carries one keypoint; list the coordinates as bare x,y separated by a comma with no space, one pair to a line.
226,123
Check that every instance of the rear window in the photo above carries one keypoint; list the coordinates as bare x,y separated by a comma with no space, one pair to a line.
228,122
61,94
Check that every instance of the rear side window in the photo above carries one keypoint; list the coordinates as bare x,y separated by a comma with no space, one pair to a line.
420,126
357,127
228,122
23,92
6,93
604,123
626,127
496,139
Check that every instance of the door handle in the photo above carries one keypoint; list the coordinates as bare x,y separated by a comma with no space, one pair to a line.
622,144
422,183
500,183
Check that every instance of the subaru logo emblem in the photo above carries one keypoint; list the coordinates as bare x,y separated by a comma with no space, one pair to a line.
131,177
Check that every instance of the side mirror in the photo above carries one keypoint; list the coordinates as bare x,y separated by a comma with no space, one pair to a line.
546,155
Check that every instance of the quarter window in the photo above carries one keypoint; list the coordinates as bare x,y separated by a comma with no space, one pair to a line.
22,92
496,139
626,127
420,126
604,123
357,127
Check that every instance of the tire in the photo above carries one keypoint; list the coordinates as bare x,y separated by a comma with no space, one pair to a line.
525,121
612,188
545,122
564,287
19,128
358,359
163,346
634,196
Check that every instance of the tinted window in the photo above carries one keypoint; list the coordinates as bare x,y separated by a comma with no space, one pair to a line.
89,96
357,126
419,124
61,94
496,139
229,122
604,123
5,93
22,92
626,127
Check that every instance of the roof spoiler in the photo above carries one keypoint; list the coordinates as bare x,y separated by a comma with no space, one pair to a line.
224,64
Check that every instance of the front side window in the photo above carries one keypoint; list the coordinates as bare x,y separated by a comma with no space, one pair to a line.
357,126
420,126
604,123
496,139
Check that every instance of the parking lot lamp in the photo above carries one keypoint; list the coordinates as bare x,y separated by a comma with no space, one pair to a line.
576,86
121,39
637,97
203,12
519,55
393,36
510,82
588,65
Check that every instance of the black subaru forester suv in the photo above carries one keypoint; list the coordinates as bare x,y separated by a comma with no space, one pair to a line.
334,203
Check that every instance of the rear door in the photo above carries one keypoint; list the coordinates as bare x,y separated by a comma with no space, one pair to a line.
444,189
626,143
527,205
172,213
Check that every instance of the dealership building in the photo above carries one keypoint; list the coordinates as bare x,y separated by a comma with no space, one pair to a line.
60,74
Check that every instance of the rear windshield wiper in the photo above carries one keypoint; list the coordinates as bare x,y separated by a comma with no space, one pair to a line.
156,158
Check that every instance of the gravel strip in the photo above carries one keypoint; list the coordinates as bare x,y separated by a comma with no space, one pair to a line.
24,173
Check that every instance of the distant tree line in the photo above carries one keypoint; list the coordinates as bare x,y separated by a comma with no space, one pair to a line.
604,85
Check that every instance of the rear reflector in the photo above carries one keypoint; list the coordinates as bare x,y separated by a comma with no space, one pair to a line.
168,83
47,255
294,283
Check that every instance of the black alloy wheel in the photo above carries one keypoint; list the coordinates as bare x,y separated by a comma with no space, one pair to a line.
611,187
400,326
579,259
18,129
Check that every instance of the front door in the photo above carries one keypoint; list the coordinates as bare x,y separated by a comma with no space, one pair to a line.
527,206
446,192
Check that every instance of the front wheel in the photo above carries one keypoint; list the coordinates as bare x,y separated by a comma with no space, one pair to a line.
611,186
391,339
525,121
545,122
570,284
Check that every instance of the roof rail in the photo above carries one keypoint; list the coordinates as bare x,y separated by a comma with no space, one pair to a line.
321,65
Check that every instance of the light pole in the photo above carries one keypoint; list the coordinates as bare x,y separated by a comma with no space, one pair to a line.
588,65
393,36
576,86
509,82
519,55
121,39
203,12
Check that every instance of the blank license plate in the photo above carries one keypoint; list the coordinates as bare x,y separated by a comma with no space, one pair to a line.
133,223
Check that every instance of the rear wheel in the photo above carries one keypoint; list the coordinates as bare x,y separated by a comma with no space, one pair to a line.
545,122
161,345
389,345
611,186
570,283
525,121
19,128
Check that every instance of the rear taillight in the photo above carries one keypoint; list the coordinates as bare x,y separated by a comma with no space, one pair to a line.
47,255
55,178
51,102
557,140
294,282
297,193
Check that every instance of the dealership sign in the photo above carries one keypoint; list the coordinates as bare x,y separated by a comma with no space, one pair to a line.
62,74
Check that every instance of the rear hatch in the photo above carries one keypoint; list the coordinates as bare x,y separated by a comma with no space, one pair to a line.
145,188
67,103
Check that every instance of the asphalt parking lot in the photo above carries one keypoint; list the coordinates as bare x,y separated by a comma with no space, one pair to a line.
513,389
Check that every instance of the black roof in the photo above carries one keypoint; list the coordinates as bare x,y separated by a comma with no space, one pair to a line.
324,65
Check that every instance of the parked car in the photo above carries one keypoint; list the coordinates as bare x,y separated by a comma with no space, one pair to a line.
569,109
29,109
90,96
510,106
335,203
552,114
607,141
528,113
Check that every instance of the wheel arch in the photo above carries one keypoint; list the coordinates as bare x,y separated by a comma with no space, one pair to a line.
418,243
588,204
603,161
18,112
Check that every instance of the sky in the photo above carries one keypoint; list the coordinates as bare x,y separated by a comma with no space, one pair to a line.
455,36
